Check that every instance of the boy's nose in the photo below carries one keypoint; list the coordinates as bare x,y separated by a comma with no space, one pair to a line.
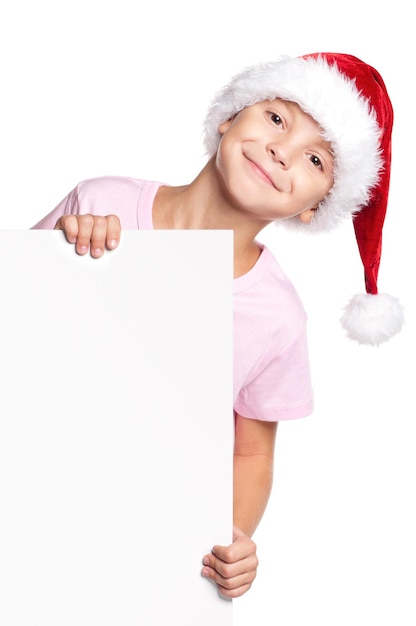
280,153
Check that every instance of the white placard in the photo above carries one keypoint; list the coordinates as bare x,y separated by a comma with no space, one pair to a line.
115,429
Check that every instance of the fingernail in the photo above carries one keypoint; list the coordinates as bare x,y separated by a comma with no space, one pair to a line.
206,561
97,252
112,243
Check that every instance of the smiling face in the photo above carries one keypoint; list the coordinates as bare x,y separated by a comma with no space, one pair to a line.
273,161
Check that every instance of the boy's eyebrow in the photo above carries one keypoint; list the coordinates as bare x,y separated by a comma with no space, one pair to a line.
324,143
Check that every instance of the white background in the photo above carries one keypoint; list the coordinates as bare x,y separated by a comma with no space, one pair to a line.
93,88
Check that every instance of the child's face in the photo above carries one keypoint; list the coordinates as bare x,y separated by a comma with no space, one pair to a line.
274,162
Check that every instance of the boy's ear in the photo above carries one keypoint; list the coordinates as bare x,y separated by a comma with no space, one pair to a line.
224,126
306,216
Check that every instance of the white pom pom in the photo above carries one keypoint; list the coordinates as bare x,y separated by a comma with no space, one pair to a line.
371,319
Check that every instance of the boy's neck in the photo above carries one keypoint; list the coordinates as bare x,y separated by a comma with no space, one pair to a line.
201,205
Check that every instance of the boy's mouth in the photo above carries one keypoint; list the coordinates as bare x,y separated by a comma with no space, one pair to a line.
262,173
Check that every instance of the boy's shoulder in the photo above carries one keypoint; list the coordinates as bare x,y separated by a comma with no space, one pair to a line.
109,184
268,295
129,198
268,278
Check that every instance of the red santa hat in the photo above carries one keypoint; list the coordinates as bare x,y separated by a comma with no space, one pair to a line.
349,100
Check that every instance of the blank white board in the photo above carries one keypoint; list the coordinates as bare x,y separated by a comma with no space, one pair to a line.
116,429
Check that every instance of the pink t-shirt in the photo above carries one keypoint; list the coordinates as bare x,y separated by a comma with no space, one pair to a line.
271,366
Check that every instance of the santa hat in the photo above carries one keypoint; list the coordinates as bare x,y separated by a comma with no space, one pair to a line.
349,100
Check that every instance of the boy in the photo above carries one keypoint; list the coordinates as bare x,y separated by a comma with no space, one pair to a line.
301,140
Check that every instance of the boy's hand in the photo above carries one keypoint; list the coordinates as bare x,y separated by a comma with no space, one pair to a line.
233,568
91,232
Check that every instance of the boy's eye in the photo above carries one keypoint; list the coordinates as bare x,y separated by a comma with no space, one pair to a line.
276,119
315,160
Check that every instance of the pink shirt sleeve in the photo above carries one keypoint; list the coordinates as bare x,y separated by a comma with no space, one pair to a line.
271,363
281,388
107,195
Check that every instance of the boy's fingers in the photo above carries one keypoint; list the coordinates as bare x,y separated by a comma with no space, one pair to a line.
233,568
234,593
85,230
69,224
98,236
113,232
230,569
231,587
89,232
78,230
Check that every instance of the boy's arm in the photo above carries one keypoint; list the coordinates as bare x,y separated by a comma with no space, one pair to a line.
253,471
233,568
